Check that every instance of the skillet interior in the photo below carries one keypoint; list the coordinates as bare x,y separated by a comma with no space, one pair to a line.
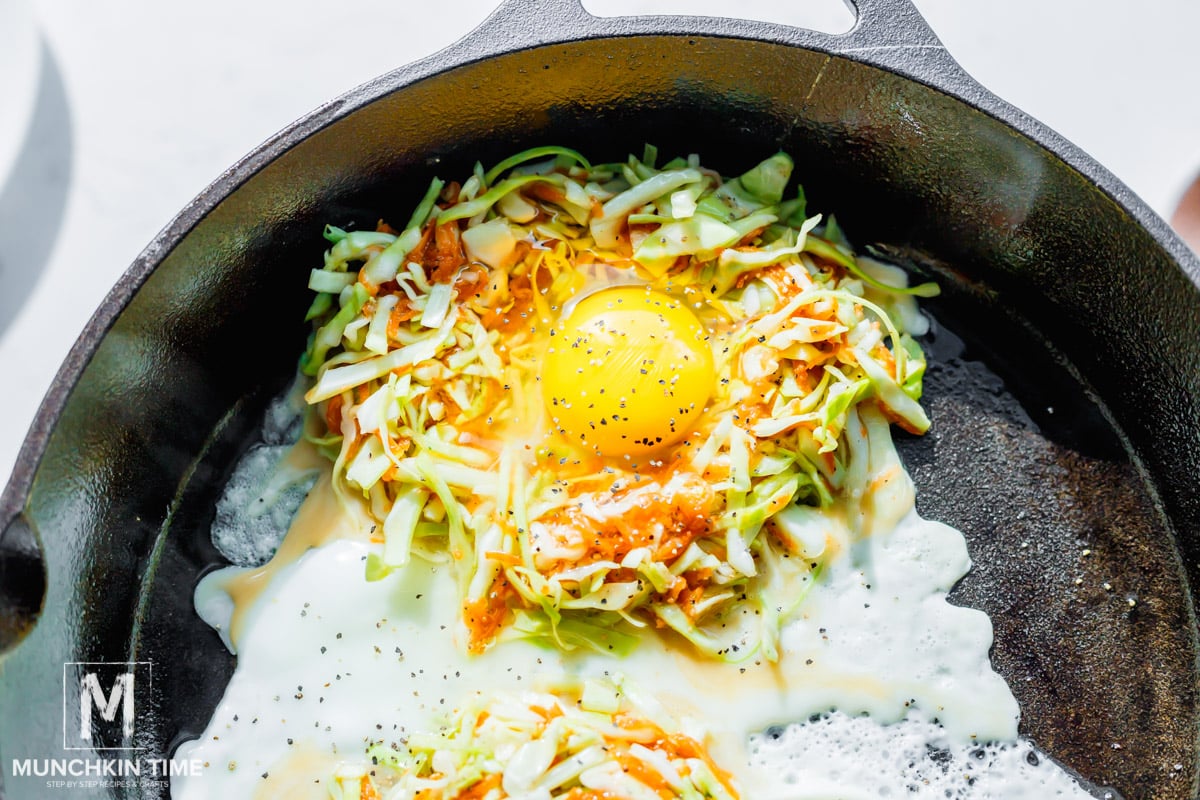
1036,254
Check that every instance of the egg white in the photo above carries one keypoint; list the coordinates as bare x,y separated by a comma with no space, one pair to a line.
329,663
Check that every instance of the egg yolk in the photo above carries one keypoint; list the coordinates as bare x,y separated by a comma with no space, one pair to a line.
628,370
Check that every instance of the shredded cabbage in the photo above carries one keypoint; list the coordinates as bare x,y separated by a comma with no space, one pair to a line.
426,350
594,739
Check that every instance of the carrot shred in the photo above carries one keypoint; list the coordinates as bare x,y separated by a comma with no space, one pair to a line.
507,559
686,747
333,414
467,289
641,772
367,790
480,789
448,252
548,192
485,616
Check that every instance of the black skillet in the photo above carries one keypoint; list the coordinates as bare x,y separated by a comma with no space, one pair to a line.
1065,389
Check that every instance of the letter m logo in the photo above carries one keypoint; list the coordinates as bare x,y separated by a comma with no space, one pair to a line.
106,698
91,696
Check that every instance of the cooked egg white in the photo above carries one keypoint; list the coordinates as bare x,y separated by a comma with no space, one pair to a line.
329,663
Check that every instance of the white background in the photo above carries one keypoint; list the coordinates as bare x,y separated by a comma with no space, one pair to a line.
141,103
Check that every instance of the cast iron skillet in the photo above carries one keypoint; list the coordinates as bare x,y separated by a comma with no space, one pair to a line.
1064,389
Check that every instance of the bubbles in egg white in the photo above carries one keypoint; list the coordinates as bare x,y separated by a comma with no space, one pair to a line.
260,500
284,417
253,515
840,757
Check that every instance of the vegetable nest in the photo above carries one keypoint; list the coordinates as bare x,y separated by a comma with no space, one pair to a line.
612,396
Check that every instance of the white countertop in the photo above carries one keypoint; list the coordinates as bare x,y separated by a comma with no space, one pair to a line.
141,104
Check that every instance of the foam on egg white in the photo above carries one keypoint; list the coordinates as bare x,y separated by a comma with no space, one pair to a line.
841,757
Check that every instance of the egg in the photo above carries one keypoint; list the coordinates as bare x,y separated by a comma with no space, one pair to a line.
629,370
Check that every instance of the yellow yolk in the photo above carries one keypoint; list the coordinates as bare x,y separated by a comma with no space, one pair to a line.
629,370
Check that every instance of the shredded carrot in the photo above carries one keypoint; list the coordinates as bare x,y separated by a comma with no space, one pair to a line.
780,278
683,514
678,587
402,313
480,789
888,359
519,313
641,772
333,414
689,595
367,790
546,191
448,253
399,446
419,254
686,747
471,283
507,559
628,722
440,394
485,616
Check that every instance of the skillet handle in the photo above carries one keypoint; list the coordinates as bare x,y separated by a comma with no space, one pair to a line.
22,581
890,34
891,24
880,23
